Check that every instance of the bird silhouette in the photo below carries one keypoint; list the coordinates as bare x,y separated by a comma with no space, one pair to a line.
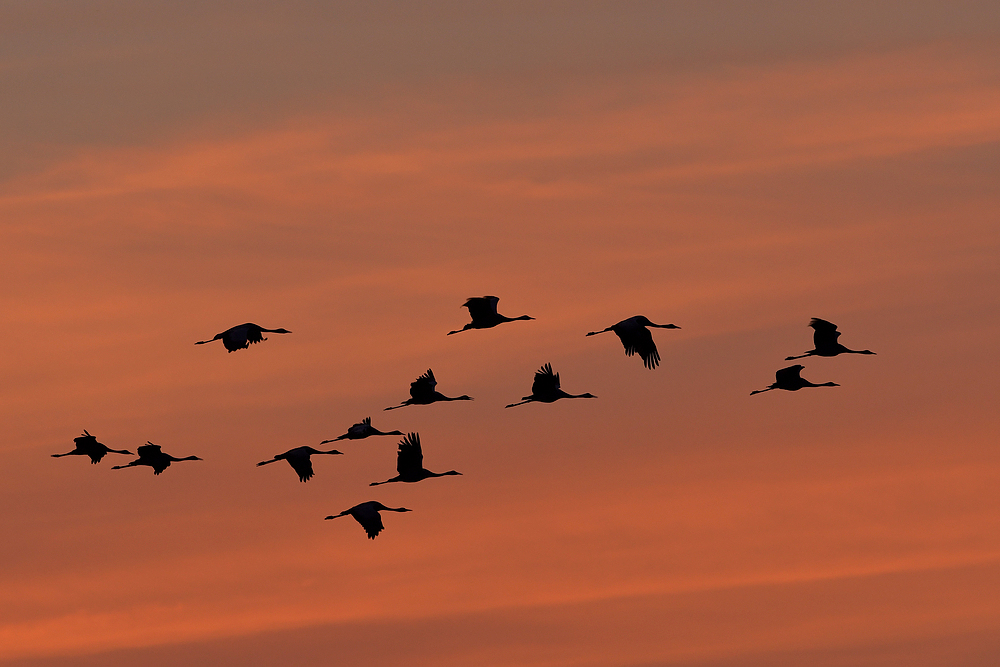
410,463
636,338
242,336
790,380
483,310
87,445
367,514
825,341
545,388
151,455
299,459
360,431
422,392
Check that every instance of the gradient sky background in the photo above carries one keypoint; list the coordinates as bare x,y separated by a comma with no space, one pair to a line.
353,174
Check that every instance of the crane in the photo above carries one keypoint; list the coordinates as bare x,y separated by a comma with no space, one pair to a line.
299,459
423,392
367,514
410,463
545,388
242,336
87,445
636,338
483,310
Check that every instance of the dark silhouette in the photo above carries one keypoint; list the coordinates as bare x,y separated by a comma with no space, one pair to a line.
825,341
87,445
545,388
483,310
242,336
367,514
637,339
151,455
790,380
410,463
299,459
360,431
422,392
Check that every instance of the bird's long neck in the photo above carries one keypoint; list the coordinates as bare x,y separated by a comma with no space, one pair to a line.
397,478
332,451
761,391
594,333
504,318
442,397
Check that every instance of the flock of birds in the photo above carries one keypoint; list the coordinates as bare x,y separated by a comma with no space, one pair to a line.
635,338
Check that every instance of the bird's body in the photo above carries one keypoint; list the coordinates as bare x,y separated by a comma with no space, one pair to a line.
299,459
410,463
87,445
151,455
637,339
790,379
423,392
360,431
483,310
825,342
367,514
242,336
545,388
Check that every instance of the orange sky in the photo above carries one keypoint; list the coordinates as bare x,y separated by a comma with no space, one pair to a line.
353,174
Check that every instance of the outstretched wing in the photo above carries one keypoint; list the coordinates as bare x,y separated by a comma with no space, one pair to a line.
302,465
409,458
482,307
89,445
253,333
148,450
369,518
423,386
639,340
825,334
788,375
545,381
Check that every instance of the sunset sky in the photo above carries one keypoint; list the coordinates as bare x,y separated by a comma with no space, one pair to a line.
353,172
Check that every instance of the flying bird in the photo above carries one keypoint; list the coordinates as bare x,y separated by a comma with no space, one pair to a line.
299,459
410,463
422,392
151,455
545,388
87,445
636,338
360,431
242,336
483,310
367,514
790,380
825,341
